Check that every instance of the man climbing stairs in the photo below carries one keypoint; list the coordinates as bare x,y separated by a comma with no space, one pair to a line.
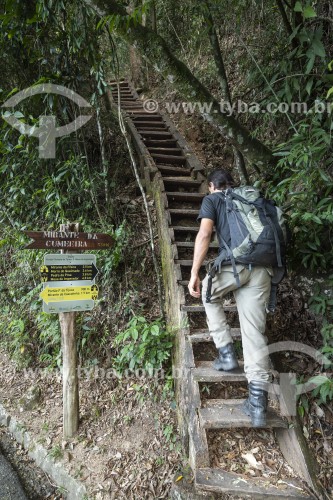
176,178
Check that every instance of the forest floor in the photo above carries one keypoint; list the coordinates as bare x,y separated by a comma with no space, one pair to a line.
127,444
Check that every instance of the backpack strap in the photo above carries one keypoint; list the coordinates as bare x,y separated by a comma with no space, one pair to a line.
270,308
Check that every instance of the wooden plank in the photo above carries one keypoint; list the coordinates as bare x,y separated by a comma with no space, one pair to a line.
182,181
125,99
131,106
220,481
155,133
296,451
159,150
223,416
149,124
166,159
172,143
149,117
187,262
137,112
185,229
199,336
161,128
172,170
180,196
183,282
121,82
198,446
204,372
184,212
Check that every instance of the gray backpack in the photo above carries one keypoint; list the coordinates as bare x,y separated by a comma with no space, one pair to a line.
258,236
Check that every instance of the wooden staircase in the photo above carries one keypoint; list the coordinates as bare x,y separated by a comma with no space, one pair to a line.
176,178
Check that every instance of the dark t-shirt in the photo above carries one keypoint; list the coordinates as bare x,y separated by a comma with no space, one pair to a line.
213,207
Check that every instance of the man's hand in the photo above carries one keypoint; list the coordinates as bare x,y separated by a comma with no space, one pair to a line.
194,286
200,251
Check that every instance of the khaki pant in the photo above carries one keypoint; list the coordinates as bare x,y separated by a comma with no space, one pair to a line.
251,299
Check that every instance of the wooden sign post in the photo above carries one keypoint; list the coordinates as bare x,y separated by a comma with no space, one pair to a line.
69,287
70,383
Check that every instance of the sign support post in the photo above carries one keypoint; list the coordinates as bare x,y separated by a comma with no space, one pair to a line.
69,364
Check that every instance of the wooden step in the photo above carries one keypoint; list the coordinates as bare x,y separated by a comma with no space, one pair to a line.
162,151
190,244
122,83
144,115
183,212
162,128
171,170
184,182
204,372
227,308
166,159
185,229
149,117
124,87
198,336
187,262
126,99
221,414
149,124
180,196
220,481
131,106
172,143
123,95
155,133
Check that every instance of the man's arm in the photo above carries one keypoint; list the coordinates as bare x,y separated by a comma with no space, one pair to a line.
200,251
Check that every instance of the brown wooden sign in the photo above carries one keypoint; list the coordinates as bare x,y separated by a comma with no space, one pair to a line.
66,240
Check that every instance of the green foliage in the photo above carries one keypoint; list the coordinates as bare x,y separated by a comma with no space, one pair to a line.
143,345
321,303
324,388
303,185
56,452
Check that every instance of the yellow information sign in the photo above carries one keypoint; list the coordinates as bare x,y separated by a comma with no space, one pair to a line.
50,294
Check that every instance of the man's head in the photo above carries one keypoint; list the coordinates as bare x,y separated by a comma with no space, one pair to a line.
219,179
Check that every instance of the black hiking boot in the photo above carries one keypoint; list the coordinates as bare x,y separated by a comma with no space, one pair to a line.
255,406
227,358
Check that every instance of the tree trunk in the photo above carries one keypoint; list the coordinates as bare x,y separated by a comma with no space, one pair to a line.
156,50
225,89
286,22
153,17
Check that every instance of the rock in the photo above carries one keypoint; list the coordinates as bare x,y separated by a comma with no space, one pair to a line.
31,399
